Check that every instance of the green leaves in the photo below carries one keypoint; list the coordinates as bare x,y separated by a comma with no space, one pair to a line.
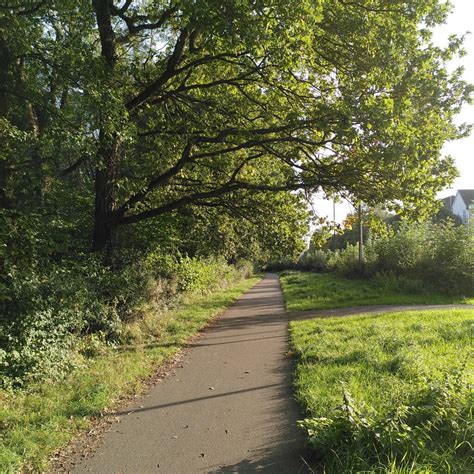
376,97
207,117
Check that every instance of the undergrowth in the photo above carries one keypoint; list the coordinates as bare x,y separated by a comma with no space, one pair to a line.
43,416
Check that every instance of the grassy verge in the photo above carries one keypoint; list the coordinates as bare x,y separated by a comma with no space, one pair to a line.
38,420
305,291
389,393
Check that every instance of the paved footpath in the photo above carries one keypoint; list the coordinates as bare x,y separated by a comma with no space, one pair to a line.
372,309
228,409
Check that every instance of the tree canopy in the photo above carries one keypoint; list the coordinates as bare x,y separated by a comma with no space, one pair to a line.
115,113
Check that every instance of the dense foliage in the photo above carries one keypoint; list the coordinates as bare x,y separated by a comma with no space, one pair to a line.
141,140
113,114
41,335
417,257
388,393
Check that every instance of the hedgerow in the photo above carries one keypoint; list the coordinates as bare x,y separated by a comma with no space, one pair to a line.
50,307
415,257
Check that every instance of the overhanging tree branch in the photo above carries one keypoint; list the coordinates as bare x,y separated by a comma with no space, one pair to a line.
259,141
131,22
197,197
167,74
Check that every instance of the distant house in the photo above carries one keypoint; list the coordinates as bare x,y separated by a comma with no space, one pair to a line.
448,202
462,205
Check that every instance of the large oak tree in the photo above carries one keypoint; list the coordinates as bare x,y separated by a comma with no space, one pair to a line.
158,105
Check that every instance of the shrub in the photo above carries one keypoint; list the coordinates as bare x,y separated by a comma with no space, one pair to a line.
52,305
39,345
439,255
402,252
245,268
49,307
451,263
314,260
345,262
414,257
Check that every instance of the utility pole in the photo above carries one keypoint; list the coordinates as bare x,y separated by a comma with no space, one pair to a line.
334,222
361,239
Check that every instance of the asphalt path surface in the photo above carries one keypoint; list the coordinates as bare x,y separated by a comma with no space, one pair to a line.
228,408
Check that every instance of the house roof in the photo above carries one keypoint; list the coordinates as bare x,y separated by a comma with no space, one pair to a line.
448,201
467,195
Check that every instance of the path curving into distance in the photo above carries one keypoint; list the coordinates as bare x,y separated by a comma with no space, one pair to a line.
228,407
374,309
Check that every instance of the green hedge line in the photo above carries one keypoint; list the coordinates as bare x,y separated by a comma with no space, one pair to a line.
51,307
416,257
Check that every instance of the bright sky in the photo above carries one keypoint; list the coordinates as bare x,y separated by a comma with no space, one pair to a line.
460,21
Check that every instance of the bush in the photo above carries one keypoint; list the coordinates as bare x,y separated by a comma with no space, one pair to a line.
402,252
52,305
346,262
39,345
439,255
413,257
314,260
48,309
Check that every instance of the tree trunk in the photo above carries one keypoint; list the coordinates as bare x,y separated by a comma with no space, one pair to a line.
5,61
105,220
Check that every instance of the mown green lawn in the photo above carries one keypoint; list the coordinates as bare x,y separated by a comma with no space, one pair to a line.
388,393
305,290
37,421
